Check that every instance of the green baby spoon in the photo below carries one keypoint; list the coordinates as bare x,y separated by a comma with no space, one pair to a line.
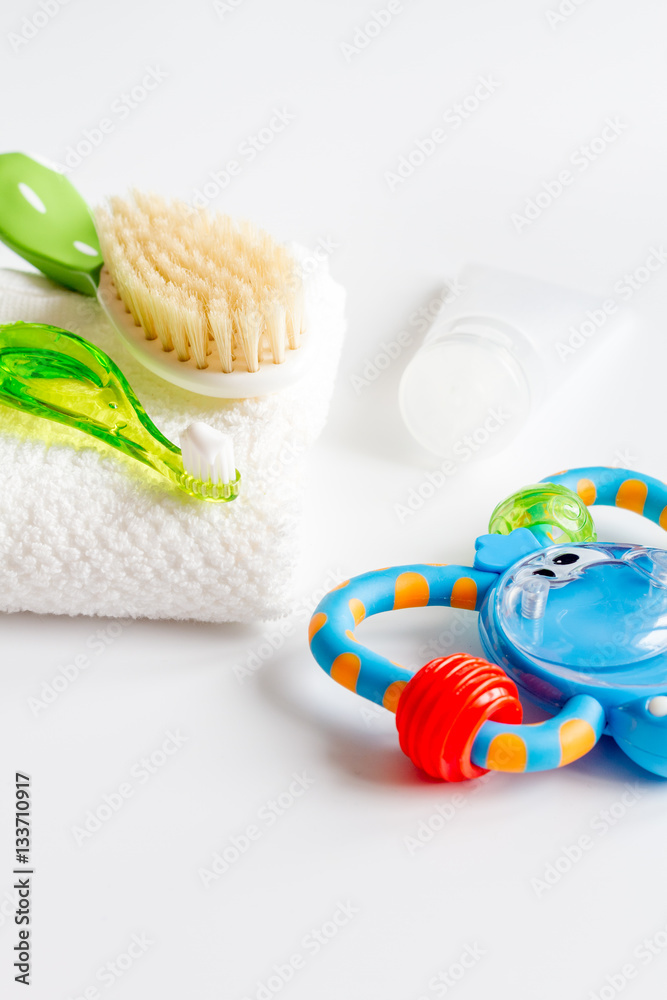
52,373
46,221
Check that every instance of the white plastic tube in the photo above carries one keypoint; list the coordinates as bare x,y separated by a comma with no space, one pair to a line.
496,351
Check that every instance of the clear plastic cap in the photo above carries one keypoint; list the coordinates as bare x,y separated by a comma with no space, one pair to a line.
460,394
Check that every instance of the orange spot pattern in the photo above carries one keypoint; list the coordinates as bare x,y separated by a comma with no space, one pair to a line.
316,623
341,585
345,669
587,492
392,694
576,737
507,752
464,594
358,610
663,518
411,591
632,495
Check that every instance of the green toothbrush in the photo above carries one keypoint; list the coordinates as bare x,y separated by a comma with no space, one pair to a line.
54,374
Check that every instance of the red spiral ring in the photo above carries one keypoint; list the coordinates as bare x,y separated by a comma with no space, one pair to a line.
443,707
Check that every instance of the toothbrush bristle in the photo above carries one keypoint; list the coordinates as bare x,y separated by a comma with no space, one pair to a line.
220,293
208,455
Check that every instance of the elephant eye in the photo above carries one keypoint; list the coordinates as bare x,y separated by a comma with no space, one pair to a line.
544,572
566,559
658,706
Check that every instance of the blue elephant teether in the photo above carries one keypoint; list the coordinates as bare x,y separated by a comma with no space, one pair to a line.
579,625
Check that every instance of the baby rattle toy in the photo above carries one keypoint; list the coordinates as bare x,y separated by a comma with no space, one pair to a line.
579,625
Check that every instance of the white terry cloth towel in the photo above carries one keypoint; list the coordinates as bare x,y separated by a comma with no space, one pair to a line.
86,530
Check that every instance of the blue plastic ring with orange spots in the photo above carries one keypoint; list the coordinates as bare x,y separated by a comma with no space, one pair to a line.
575,623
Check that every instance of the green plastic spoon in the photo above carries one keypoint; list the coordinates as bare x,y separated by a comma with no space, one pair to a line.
55,374
45,220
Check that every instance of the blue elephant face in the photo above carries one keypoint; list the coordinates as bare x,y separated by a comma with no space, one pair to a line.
592,618
597,610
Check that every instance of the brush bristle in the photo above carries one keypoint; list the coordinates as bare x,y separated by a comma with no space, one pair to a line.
219,293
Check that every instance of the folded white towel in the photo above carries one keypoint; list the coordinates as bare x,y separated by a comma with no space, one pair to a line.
86,530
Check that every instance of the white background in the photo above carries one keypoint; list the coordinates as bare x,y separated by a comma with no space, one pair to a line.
344,839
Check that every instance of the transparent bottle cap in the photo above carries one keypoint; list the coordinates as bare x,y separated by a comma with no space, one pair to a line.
463,395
